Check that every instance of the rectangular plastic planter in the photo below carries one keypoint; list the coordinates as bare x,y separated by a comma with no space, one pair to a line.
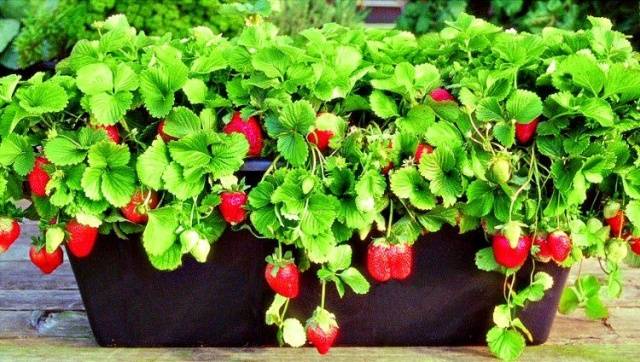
446,301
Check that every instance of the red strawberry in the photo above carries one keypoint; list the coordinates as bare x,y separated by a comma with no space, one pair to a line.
421,150
46,262
9,232
82,238
232,206
387,168
526,131
635,245
285,280
322,330
378,264
141,202
320,138
38,178
508,256
544,252
559,245
441,94
165,137
250,129
401,261
614,217
112,132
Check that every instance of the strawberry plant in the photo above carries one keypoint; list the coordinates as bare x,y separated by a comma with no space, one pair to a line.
374,136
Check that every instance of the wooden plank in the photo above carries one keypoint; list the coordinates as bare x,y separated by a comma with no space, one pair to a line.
82,350
623,326
25,324
57,300
22,275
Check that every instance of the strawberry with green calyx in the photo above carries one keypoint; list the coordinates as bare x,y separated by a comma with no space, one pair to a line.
9,232
322,330
233,200
501,168
251,131
441,95
38,177
543,253
421,150
328,131
509,256
283,275
559,245
201,250
378,264
46,262
138,208
526,131
614,216
81,238
165,137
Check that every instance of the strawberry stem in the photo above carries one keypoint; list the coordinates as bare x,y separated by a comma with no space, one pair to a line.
390,218
324,291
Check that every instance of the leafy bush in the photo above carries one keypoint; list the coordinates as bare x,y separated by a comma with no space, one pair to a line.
537,145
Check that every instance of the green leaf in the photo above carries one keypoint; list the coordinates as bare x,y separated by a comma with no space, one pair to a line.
298,116
42,98
443,134
293,148
382,105
433,220
622,80
170,260
489,110
486,261
505,133
9,28
632,211
95,78
427,77
150,164
355,280
584,71
118,185
15,150
108,154
8,85
228,153
407,183
108,109
195,90
506,344
160,233
524,106
340,258
156,92
63,151
182,187
182,122
319,214
125,79
598,110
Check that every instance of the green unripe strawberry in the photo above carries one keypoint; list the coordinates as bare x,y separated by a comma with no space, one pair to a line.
189,239
201,250
617,250
501,169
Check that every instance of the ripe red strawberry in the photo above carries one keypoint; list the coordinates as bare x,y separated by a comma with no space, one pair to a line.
559,245
320,138
82,238
9,232
46,262
544,252
400,261
526,131
232,206
441,94
635,245
38,178
614,217
508,256
165,137
421,150
285,280
251,131
137,209
378,264
322,330
112,132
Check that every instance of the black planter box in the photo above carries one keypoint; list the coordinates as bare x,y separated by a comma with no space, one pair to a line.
446,301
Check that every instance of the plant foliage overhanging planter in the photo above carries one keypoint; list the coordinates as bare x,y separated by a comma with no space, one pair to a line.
395,160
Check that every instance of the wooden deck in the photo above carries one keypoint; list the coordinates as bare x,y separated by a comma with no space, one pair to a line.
42,318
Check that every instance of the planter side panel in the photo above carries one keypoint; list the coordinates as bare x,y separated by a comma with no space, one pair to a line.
218,303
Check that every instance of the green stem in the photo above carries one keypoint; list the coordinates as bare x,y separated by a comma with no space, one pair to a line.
324,292
390,218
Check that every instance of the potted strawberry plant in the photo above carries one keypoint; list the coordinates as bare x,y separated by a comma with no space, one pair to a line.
343,185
